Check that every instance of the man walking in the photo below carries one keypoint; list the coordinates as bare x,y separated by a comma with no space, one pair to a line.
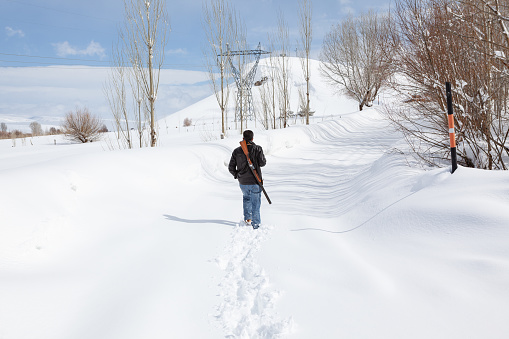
249,186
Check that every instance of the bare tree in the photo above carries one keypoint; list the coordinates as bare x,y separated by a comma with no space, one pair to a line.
355,56
140,106
265,104
268,86
306,36
54,131
271,84
240,64
82,126
219,21
495,9
273,75
240,61
142,42
116,92
3,131
283,77
464,43
36,128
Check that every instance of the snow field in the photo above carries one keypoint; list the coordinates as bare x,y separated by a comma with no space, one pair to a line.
147,243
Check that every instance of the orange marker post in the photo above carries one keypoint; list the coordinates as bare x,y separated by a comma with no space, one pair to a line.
450,116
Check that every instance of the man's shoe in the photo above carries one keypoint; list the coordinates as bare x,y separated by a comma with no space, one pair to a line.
248,222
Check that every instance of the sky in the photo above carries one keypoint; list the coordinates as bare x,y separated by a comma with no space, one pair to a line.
58,32
55,54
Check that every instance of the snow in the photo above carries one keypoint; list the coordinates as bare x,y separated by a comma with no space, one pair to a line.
147,243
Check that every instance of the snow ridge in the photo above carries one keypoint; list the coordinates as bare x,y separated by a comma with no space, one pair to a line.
247,309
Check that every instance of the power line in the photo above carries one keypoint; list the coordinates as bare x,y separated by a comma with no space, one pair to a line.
76,59
58,10
39,63
67,66
57,66
55,58
105,63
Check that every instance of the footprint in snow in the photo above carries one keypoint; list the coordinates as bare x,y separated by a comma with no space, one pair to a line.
247,307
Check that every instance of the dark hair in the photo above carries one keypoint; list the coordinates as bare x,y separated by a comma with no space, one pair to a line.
248,135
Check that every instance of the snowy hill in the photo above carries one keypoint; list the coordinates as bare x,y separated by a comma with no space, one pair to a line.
206,115
146,243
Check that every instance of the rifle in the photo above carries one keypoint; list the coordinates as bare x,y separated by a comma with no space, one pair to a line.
243,144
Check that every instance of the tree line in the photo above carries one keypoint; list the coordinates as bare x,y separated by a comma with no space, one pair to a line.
35,127
413,50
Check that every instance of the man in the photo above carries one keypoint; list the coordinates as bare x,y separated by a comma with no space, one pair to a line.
251,191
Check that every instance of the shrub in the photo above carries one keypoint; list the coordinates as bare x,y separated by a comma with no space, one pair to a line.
82,126
104,129
54,131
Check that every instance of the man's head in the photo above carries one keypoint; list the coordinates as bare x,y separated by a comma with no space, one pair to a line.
248,135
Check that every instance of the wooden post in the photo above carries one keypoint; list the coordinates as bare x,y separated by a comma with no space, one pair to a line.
450,116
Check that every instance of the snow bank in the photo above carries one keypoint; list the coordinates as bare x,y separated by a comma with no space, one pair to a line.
147,243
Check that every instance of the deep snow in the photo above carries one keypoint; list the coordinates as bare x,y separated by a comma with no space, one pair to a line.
147,244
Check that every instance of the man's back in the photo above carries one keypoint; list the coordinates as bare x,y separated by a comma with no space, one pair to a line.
239,167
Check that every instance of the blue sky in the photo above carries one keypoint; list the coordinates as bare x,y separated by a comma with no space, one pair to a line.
58,32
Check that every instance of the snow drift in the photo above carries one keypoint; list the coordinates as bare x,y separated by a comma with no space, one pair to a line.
147,243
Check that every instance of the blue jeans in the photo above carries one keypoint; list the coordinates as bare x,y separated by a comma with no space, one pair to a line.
251,201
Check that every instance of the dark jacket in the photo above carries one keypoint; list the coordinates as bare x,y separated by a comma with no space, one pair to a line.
239,167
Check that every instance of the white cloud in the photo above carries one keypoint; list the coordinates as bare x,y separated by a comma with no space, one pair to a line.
348,10
181,51
64,49
346,7
14,32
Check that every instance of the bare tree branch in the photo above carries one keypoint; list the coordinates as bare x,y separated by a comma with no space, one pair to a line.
355,56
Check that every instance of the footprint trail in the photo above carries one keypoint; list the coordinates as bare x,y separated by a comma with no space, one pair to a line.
247,306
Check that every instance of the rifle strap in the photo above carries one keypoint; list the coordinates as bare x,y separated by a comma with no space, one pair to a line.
243,144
